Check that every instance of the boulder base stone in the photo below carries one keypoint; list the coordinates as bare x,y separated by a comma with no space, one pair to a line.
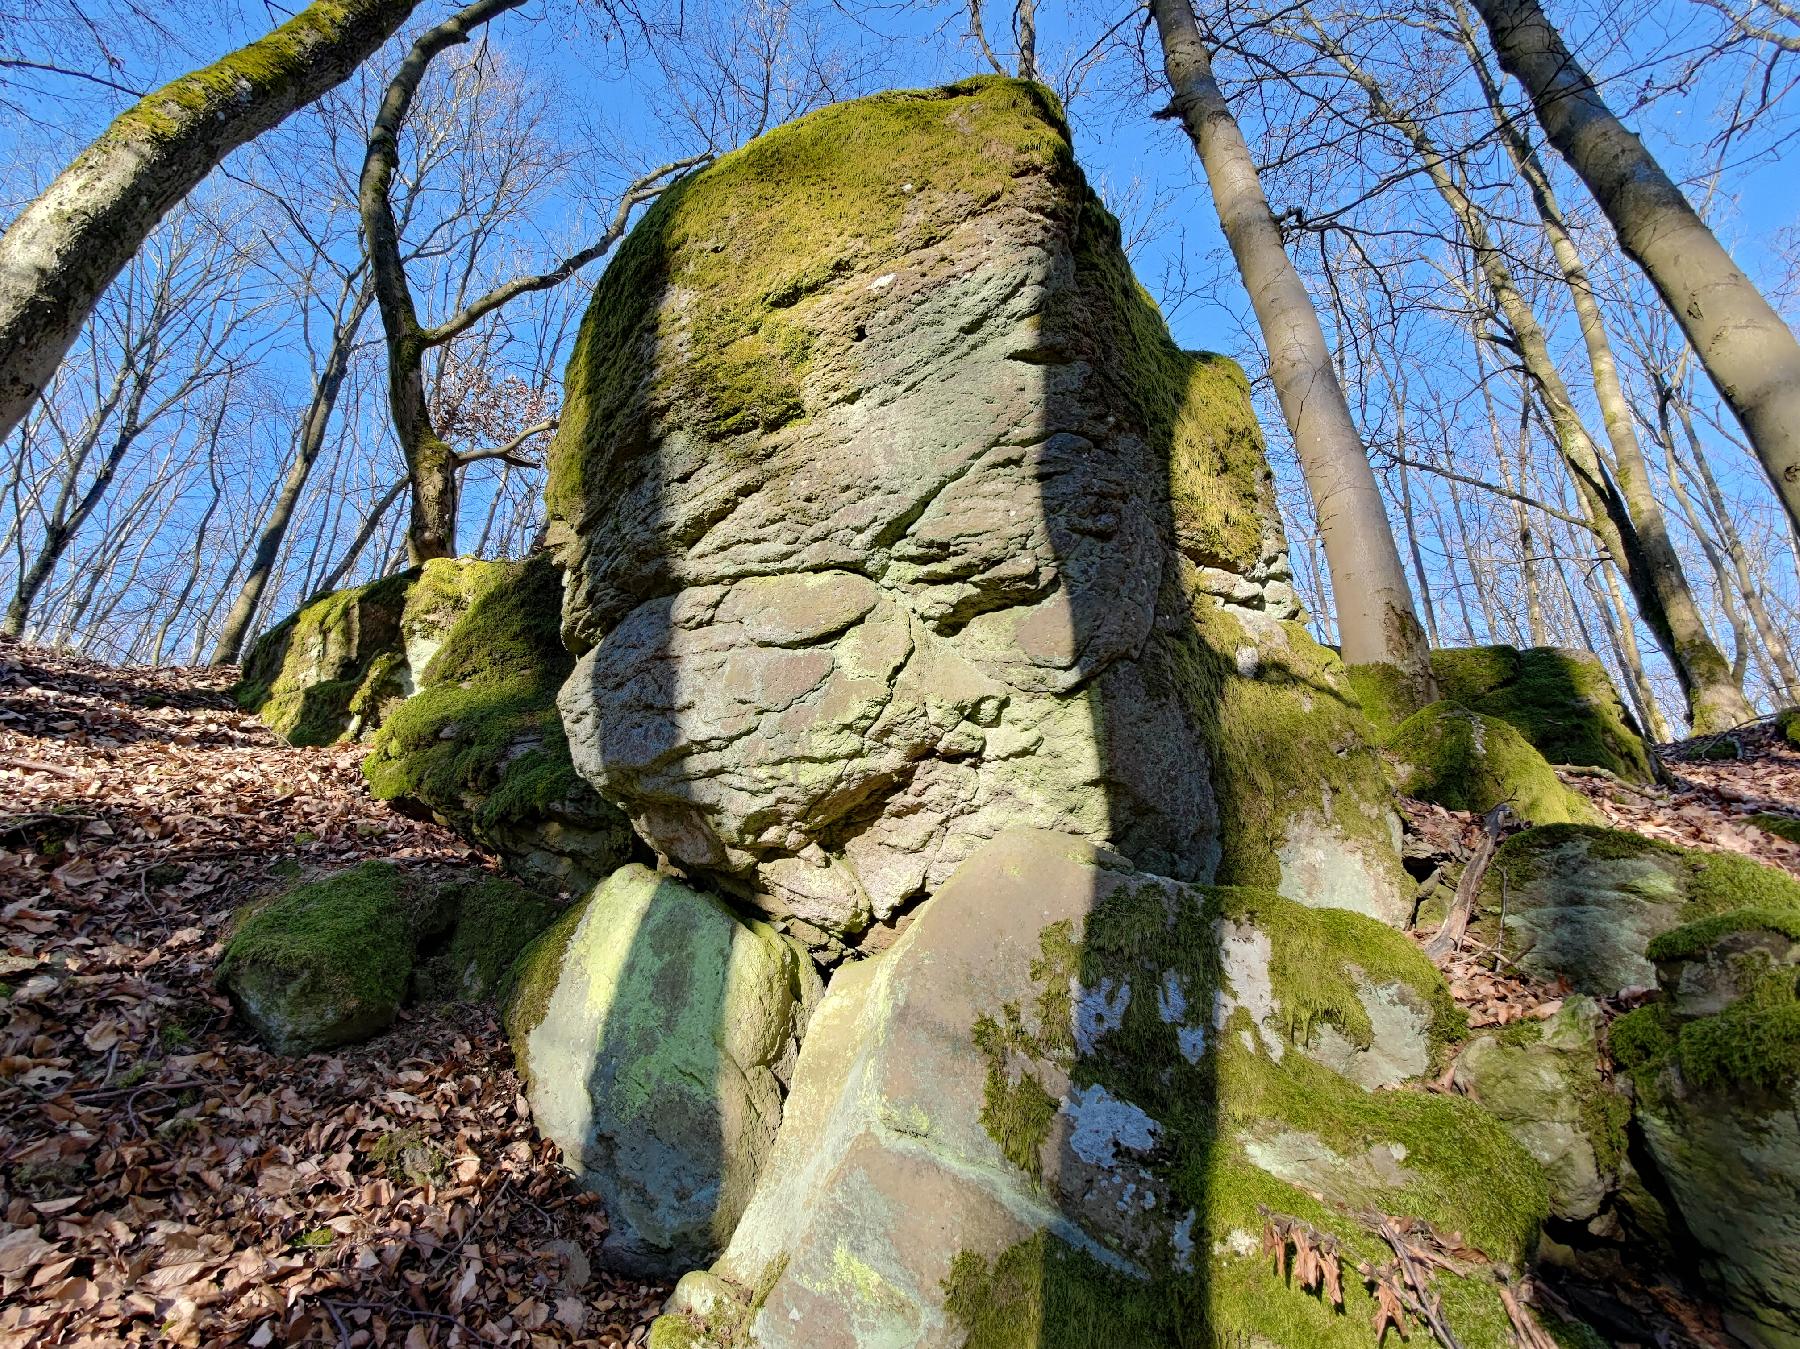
1065,1092
1583,903
893,519
657,1033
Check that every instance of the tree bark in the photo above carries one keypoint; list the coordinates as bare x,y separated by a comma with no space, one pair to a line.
1625,515
1376,618
69,244
1748,351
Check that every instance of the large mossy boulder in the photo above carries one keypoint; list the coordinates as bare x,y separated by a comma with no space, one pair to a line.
1560,700
1716,1064
480,745
1466,761
330,961
1583,903
331,670
893,519
657,1033
1064,1107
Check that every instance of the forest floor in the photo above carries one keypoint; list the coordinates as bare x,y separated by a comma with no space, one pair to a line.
164,1179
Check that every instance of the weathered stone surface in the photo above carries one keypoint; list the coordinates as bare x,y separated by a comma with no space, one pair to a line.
1732,1161
1584,903
1069,1086
657,1033
898,522
1548,1094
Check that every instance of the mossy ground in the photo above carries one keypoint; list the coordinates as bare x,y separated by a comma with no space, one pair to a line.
1462,1172
1782,826
1466,761
483,727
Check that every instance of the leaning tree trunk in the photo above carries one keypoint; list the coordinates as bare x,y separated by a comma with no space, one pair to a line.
1748,351
1625,515
69,244
1376,619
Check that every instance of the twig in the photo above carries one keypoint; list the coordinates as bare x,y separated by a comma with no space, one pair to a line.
1450,936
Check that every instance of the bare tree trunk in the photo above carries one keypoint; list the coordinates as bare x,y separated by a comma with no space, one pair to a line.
1376,619
311,442
69,244
1787,675
1748,351
1625,515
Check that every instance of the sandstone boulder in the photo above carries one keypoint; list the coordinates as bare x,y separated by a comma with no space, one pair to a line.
657,1034
894,520
1584,903
1073,1094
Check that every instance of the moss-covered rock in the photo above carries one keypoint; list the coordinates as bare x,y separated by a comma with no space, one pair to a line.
1782,826
1787,724
1716,1064
1562,701
1466,761
1061,1108
304,675
894,518
1544,1085
330,961
1583,903
325,963
657,1032
480,745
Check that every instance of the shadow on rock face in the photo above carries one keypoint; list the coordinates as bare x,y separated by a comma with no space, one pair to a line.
932,603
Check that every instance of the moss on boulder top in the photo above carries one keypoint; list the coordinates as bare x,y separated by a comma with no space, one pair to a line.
332,669
1562,701
1466,761
329,961
894,518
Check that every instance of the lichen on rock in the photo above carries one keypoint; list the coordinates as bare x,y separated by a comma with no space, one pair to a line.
1061,1097
894,519
657,1032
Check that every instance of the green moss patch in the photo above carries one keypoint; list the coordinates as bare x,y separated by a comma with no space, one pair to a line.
484,925
1782,826
703,315
1787,724
1466,761
481,740
1753,1044
1561,701
1285,740
310,675
1154,950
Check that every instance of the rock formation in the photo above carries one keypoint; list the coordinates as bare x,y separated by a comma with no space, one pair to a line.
893,520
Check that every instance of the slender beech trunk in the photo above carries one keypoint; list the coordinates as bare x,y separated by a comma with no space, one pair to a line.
311,442
377,514
1625,514
1748,351
1376,619
68,245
